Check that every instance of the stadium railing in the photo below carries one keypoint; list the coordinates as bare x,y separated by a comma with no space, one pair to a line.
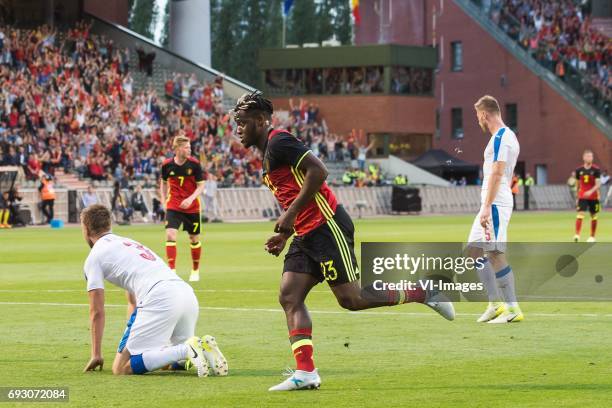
251,204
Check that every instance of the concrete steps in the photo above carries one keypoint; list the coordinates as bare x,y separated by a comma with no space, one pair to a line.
69,181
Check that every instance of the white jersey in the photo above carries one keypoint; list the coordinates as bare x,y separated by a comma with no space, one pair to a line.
125,263
503,146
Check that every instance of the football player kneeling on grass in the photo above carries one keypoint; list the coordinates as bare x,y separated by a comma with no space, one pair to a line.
162,307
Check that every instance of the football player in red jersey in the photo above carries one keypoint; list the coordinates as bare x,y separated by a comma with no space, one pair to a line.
588,179
324,237
182,183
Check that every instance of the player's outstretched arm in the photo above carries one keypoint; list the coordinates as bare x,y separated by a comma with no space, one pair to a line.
497,172
97,319
315,175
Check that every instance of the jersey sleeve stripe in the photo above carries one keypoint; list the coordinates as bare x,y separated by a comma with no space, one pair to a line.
323,205
300,180
301,158
497,143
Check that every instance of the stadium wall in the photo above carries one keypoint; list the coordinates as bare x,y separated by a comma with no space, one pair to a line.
115,11
373,113
252,204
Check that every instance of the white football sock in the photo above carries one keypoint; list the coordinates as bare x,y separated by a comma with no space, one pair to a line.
505,281
155,359
487,277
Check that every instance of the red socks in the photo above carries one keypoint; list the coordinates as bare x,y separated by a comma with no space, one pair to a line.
171,254
578,225
593,226
301,344
196,252
398,297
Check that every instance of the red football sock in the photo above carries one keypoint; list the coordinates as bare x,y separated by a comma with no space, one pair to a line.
171,254
578,225
196,251
593,226
301,344
398,297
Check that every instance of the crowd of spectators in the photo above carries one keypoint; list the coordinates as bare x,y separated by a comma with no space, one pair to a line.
350,80
68,101
303,120
560,36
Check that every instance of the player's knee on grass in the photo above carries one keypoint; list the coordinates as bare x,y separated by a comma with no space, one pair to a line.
122,371
194,239
121,364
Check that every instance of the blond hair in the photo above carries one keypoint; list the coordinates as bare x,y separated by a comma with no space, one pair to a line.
97,219
488,104
179,140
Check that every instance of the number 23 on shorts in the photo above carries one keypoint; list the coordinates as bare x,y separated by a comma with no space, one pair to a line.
329,272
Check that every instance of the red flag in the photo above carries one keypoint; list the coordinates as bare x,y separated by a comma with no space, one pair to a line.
355,8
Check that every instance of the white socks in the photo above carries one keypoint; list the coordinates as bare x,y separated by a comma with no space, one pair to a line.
505,281
155,359
487,277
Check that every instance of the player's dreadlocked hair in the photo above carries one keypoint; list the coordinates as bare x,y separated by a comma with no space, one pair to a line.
254,101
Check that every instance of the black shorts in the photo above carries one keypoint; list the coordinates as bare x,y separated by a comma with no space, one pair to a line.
326,252
591,206
191,222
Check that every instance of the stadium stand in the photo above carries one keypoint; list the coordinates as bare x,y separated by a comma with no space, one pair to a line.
81,106
561,37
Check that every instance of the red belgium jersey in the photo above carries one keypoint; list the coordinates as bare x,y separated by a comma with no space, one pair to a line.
183,181
282,156
586,181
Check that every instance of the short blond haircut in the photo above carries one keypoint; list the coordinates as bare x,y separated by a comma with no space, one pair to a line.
488,104
179,141
97,219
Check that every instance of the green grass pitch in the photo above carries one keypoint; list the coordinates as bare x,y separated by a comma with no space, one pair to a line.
400,356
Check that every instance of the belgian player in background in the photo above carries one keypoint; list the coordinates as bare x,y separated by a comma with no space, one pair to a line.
323,245
182,183
588,179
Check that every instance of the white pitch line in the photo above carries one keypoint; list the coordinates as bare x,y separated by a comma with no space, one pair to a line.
335,312
121,290
564,298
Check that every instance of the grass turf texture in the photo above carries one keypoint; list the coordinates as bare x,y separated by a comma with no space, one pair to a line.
400,356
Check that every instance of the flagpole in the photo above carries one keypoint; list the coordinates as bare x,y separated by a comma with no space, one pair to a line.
284,28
